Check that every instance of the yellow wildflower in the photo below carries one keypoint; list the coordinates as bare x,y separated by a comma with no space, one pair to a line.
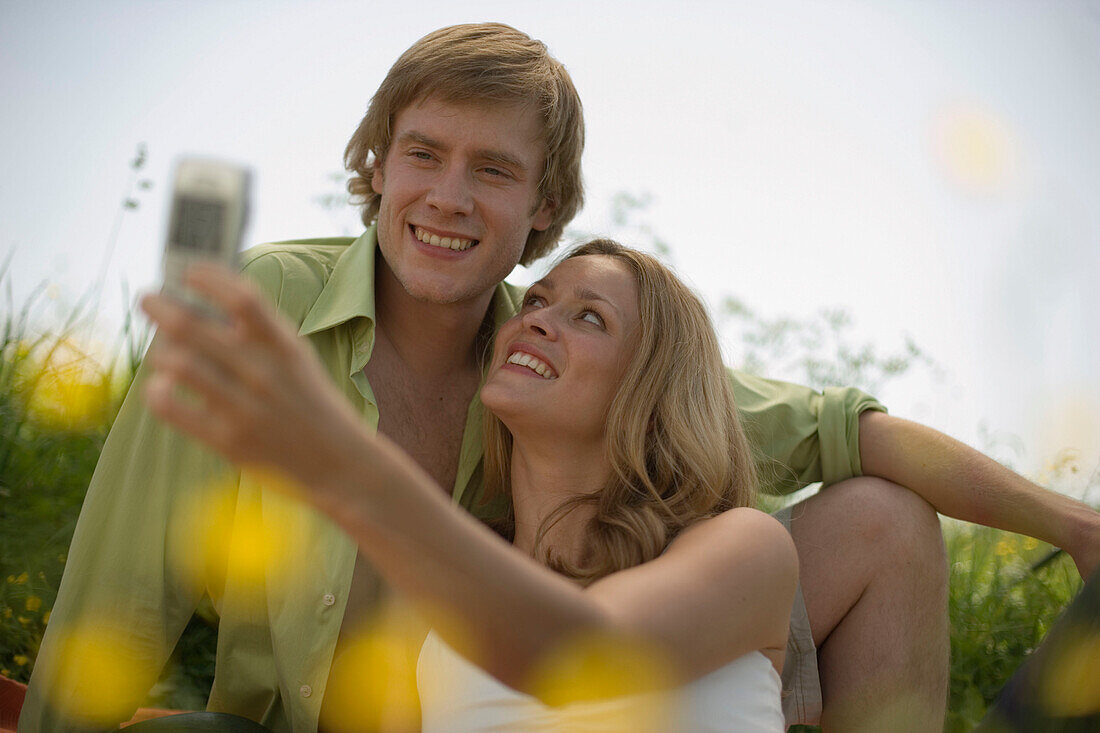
33,603
20,580
21,659
24,620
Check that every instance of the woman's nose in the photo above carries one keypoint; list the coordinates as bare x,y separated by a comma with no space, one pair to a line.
540,321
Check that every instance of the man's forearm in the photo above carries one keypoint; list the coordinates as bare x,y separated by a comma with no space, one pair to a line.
962,483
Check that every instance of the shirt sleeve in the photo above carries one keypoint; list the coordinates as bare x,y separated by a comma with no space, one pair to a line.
130,583
135,572
801,436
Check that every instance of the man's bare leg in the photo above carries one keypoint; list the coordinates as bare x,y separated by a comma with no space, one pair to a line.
874,578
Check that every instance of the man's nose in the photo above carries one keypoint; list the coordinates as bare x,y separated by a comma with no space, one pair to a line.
450,193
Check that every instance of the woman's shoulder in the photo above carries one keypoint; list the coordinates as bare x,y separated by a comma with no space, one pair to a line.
739,531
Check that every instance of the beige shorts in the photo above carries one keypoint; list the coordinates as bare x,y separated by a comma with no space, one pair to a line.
801,686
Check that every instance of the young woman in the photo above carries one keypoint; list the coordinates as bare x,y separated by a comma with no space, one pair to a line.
611,427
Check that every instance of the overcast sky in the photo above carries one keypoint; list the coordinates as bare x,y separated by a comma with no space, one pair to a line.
931,167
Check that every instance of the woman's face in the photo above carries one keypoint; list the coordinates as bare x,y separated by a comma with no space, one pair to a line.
557,364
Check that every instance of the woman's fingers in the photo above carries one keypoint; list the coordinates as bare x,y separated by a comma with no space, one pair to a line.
254,318
184,325
199,375
235,350
263,396
163,399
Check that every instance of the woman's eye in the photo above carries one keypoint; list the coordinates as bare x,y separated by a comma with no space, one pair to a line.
592,317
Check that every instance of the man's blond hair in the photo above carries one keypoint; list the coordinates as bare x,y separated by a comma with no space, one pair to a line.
483,63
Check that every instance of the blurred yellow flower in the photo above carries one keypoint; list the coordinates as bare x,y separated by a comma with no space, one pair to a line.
1071,688
593,668
218,531
1004,548
33,603
23,620
372,684
68,389
104,672
21,659
20,580
6,613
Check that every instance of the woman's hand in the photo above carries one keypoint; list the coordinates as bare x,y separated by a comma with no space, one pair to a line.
259,395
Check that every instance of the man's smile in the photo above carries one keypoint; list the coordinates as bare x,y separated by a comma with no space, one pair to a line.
445,241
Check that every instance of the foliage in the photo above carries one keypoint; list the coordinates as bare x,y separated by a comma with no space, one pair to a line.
817,351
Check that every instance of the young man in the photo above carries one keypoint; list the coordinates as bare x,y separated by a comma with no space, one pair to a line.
468,161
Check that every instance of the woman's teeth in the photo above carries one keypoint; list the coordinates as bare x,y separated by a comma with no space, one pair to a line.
533,363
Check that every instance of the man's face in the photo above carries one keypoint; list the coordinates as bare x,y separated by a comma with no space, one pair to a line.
459,188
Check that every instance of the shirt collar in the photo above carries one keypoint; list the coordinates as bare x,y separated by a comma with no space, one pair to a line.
349,292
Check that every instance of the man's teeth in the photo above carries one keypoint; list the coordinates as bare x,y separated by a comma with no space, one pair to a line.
455,243
537,365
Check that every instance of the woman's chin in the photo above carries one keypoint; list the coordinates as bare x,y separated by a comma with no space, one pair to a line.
505,404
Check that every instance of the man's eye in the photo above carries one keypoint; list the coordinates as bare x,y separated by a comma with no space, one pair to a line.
532,301
421,155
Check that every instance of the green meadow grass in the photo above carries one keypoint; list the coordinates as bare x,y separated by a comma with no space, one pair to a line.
999,607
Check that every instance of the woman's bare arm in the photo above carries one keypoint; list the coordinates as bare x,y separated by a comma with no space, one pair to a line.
722,589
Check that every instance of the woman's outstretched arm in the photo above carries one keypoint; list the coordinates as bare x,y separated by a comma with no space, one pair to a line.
260,397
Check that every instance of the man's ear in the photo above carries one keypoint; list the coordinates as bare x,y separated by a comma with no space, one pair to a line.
544,214
376,175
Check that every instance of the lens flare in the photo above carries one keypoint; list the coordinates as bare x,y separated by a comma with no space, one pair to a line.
975,149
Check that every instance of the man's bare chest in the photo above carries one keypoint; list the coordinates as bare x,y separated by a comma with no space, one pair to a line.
427,420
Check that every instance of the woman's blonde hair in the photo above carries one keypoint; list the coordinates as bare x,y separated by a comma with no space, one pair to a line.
674,440
480,63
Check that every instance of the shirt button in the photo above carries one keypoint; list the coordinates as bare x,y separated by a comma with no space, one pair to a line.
305,690
328,599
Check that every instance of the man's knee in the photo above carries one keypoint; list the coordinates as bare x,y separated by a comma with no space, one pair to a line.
888,518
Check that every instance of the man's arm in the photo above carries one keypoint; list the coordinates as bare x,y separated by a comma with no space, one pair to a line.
962,483
125,596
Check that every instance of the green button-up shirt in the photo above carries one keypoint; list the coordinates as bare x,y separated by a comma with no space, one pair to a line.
134,569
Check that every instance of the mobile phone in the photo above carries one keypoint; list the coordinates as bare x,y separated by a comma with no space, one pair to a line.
206,221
